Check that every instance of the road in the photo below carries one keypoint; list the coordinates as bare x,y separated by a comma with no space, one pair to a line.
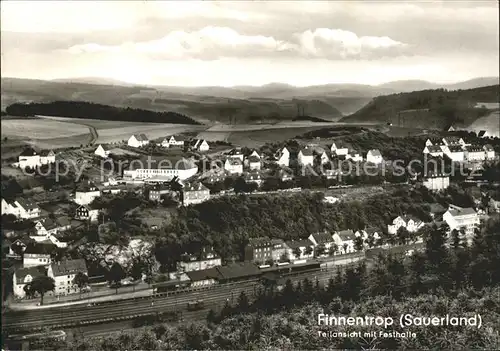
121,310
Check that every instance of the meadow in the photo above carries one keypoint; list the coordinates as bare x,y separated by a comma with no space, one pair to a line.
41,128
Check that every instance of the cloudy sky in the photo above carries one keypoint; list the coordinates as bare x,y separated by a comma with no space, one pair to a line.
229,43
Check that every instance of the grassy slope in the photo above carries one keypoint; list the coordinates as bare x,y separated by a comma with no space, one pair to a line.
443,106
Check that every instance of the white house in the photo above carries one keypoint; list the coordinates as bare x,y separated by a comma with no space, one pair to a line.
433,150
38,254
283,157
236,154
411,224
233,165
138,140
489,151
339,151
163,169
368,233
207,259
374,156
21,208
458,217
454,152
64,273
294,246
46,226
434,141
475,153
254,162
305,157
344,240
101,152
201,145
436,182
354,156
86,193
47,157
325,239
324,159
87,213
23,276
255,154
173,141
29,158
194,194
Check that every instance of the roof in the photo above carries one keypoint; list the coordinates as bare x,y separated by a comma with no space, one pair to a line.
371,230
40,248
21,273
451,140
194,187
375,152
455,148
46,153
27,204
346,235
177,137
456,212
474,148
86,186
434,148
307,152
481,133
298,244
28,152
141,137
259,242
67,267
407,218
322,238
211,273
488,147
238,270
151,162
253,159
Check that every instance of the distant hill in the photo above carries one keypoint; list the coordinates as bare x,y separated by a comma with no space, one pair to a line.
428,108
405,86
79,109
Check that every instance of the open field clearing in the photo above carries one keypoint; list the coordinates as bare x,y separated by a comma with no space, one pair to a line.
96,123
490,123
41,128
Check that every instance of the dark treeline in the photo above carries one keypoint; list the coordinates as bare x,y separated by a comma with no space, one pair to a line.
81,109
458,280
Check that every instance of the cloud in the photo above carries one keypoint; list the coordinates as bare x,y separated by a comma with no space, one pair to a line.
214,42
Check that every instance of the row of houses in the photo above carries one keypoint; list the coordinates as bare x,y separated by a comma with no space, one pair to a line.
139,140
32,159
458,150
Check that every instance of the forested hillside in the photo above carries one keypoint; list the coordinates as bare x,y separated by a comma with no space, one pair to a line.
428,108
80,109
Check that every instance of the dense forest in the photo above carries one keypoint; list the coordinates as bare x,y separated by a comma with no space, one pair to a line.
428,108
459,280
80,109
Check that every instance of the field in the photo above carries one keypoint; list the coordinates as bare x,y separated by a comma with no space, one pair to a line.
491,123
41,128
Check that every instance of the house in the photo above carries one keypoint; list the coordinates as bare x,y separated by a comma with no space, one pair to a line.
23,276
253,177
233,165
38,254
449,141
29,158
21,208
436,182
285,174
17,248
47,226
207,259
412,224
305,157
369,232
305,248
325,239
156,192
457,217
236,154
344,240
138,140
101,152
47,157
374,156
200,145
177,141
64,273
483,134
264,249
194,194
254,162
475,153
454,152
205,277
433,150
255,154
354,156
162,169
323,158
339,151
87,213
283,157
86,192
489,152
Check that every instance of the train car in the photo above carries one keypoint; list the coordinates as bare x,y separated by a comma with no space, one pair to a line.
195,305
168,286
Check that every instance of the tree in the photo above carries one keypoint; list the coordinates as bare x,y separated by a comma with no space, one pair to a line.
297,252
308,250
41,285
402,235
116,274
243,303
358,243
320,250
240,185
81,280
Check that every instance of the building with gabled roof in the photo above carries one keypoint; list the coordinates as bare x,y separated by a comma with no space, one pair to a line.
461,218
283,157
344,239
254,162
433,150
64,273
21,208
194,193
24,276
304,246
101,152
87,213
411,223
322,238
374,156
233,165
339,151
38,254
306,157
138,140
86,192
